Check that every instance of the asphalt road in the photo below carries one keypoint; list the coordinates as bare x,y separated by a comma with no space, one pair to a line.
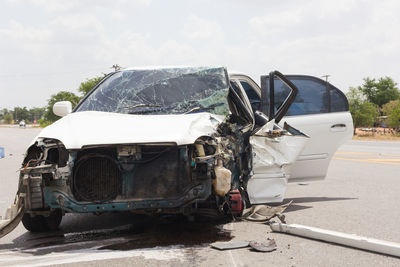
359,196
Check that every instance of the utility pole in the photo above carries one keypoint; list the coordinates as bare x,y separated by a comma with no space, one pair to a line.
116,67
328,93
326,77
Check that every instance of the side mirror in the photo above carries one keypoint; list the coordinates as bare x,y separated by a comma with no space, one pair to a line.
62,108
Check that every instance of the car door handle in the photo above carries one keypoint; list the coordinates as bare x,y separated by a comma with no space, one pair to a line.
339,127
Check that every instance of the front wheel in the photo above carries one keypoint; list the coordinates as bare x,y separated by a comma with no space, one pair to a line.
41,223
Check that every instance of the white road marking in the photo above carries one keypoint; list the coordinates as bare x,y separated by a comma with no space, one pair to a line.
16,258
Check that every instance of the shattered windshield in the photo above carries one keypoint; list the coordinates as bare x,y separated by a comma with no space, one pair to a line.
161,91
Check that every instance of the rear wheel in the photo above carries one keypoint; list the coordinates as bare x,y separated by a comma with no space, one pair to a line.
40,223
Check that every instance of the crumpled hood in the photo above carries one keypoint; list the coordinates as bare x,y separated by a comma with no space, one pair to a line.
97,128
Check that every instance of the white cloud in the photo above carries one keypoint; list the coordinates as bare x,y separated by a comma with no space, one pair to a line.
348,39
201,29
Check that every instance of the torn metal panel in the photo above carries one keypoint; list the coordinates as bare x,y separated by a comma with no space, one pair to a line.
274,152
351,240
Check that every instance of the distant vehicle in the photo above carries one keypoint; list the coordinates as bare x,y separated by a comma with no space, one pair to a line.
181,140
22,124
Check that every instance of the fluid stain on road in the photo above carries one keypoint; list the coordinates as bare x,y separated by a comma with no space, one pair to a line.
175,233
154,232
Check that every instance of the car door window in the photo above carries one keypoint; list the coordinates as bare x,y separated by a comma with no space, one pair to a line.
338,100
254,98
315,96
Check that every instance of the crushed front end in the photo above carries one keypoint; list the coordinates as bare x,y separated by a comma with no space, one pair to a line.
163,178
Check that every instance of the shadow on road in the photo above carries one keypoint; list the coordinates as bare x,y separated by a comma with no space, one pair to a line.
295,205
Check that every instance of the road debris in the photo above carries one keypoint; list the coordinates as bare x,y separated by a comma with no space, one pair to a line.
351,240
268,246
13,216
263,213
230,245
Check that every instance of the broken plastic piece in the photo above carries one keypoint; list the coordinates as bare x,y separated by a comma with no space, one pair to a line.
229,245
268,246
351,240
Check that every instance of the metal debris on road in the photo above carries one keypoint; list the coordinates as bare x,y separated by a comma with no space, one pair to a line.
261,213
229,245
268,246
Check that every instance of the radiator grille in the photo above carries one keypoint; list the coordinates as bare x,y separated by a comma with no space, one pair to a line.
96,178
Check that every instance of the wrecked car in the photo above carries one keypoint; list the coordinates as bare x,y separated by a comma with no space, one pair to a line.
179,140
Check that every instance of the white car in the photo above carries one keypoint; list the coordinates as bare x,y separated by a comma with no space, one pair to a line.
181,140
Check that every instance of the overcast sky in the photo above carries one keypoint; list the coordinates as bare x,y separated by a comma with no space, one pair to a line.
49,46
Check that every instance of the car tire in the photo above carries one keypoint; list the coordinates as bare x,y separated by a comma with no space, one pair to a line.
40,223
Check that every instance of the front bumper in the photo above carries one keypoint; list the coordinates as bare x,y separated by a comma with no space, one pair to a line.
57,199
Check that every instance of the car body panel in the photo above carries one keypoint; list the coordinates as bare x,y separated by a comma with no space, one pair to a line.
327,132
85,128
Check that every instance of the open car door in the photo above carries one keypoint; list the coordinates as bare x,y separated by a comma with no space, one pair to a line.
321,111
274,148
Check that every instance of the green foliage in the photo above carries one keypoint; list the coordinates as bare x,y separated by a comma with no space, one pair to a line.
8,118
43,123
363,112
21,114
18,114
87,85
380,92
388,107
49,116
394,116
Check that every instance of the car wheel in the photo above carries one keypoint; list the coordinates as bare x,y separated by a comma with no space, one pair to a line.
40,223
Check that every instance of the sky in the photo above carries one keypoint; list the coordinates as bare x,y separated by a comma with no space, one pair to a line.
52,46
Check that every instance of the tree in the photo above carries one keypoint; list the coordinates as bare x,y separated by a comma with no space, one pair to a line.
87,85
21,114
388,107
36,113
363,112
393,119
380,92
8,118
49,116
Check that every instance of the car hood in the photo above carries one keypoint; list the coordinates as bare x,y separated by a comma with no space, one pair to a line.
80,129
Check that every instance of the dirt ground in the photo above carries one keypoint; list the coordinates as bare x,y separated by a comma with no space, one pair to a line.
376,133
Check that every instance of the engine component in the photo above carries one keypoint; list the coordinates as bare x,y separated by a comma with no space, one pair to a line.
222,181
236,203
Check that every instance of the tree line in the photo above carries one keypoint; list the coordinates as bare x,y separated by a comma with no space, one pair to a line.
45,115
375,103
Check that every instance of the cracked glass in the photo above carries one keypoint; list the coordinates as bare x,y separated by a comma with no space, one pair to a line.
161,91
